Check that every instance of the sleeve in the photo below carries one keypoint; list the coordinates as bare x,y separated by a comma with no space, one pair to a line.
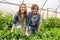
27,21
40,19
15,20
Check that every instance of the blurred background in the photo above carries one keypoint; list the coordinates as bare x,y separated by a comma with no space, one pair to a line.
48,8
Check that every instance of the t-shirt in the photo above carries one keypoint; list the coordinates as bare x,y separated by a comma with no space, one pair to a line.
33,19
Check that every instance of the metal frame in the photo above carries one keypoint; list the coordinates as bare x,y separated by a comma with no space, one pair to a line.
57,7
29,7
23,1
9,3
44,3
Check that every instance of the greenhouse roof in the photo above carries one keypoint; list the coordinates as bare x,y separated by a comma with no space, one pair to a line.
44,4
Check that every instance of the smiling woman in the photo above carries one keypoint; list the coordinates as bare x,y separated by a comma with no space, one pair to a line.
20,18
49,9
43,4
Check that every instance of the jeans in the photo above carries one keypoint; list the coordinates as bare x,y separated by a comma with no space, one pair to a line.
33,29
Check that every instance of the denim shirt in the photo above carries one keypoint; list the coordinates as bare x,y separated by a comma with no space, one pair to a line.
16,20
33,22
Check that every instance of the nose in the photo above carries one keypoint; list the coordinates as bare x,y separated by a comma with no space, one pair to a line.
34,10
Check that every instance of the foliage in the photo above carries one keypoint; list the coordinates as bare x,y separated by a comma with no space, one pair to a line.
50,30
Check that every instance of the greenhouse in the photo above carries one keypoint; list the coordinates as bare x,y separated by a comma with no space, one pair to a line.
50,13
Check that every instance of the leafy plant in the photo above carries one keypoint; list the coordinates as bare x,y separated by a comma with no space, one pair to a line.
50,30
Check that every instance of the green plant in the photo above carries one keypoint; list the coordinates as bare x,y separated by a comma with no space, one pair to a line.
50,30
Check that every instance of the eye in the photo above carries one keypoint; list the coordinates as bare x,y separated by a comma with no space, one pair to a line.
22,7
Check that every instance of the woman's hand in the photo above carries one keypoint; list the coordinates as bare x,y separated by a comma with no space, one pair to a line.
27,34
38,27
12,29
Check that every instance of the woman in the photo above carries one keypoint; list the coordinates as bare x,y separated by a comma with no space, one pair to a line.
20,17
33,20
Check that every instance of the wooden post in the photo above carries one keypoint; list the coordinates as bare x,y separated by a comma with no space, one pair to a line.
42,14
56,13
47,13
55,17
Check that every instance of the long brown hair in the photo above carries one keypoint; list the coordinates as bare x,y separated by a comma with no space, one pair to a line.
19,12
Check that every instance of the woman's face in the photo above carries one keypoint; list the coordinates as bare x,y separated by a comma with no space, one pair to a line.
23,8
34,11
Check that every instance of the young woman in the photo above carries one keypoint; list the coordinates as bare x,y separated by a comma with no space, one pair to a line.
20,17
33,20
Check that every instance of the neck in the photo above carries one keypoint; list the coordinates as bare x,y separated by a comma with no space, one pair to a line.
22,12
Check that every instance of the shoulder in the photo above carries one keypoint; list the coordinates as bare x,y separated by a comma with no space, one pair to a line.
29,13
38,14
15,15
